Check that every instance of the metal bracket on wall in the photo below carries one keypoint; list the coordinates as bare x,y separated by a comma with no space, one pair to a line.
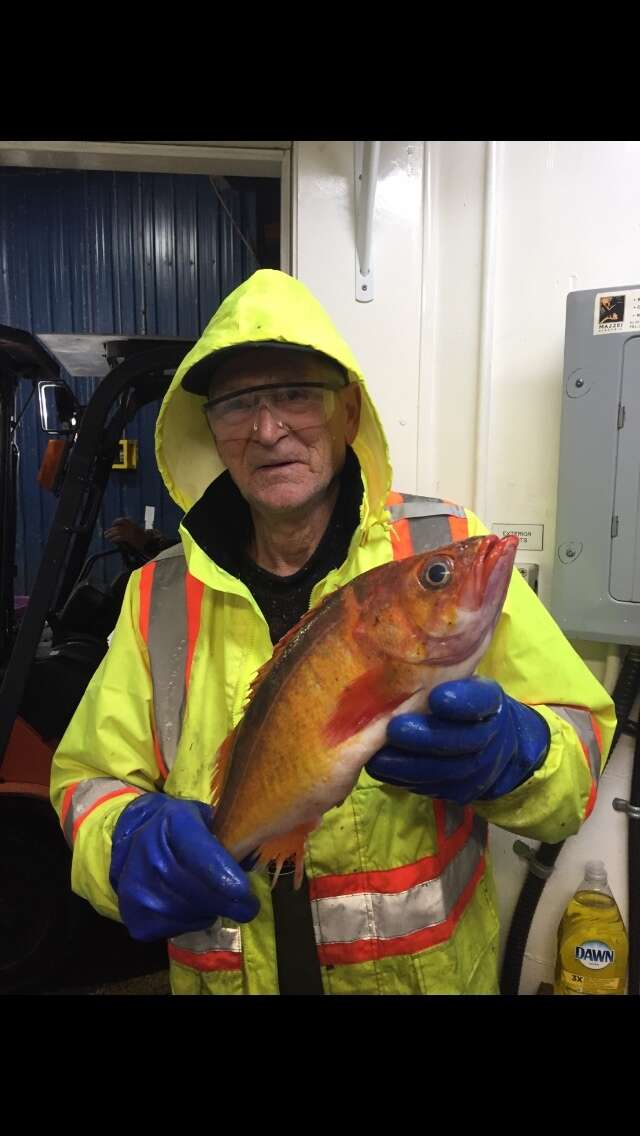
367,158
632,811
536,867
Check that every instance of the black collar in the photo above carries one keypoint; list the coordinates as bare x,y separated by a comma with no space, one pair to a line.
220,521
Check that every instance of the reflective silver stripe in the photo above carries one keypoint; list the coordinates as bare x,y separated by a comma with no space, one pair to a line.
429,532
215,938
87,794
413,507
378,915
428,520
168,648
453,817
582,724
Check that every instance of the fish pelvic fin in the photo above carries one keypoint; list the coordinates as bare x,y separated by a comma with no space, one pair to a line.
288,846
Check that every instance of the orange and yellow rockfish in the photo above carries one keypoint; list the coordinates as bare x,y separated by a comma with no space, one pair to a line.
318,710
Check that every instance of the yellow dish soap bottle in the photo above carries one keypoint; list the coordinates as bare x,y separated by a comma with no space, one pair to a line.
593,947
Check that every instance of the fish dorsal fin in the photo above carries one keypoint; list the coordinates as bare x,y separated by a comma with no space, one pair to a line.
223,758
282,644
224,755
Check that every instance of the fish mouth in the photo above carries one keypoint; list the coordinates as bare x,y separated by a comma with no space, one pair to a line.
490,573
484,592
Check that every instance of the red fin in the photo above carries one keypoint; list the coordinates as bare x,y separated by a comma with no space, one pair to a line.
288,846
221,768
223,756
360,703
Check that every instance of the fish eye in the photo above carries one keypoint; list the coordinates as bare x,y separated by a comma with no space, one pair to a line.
437,573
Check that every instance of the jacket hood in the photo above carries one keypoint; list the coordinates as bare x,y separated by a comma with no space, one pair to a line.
269,306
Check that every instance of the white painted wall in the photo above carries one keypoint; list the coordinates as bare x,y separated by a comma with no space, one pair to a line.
384,334
566,217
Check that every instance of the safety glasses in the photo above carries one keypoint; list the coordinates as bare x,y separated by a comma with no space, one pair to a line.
296,406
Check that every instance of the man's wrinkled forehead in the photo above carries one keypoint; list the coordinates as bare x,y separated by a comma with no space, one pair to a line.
268,365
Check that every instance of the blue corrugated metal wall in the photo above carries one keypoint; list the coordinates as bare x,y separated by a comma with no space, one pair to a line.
112,253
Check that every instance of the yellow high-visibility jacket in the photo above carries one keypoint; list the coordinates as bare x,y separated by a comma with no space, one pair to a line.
400,885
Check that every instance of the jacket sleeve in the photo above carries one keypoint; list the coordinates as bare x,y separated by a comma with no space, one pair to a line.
106,757
534,662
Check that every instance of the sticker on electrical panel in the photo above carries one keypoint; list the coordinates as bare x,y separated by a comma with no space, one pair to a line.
616,311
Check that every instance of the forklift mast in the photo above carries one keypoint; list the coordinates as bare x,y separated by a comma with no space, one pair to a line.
47,932
21,358
138,371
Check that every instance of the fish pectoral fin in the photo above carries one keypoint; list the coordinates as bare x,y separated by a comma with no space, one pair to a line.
288,846
368,697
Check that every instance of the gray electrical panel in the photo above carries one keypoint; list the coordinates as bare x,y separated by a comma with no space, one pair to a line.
596,574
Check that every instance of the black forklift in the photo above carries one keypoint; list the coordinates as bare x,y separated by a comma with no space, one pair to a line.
50,939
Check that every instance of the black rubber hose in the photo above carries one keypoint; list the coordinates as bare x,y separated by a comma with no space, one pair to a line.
624,696
625,692
633,853
522,919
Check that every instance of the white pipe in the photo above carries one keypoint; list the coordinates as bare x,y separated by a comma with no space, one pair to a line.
487,305
428,410
365,205
289,211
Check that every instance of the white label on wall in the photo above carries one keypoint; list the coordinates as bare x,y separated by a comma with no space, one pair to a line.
616,311
530,536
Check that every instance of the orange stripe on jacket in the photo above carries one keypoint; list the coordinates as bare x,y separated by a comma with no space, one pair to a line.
206,960
401,542
146,587
366,950
194,590
459,527
101,801
66,802
164,772
394,880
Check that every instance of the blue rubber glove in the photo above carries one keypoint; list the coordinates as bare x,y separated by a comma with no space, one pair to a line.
170,874
476,744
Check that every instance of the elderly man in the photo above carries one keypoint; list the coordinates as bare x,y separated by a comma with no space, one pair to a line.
269,441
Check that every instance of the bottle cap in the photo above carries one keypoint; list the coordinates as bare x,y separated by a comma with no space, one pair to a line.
595,870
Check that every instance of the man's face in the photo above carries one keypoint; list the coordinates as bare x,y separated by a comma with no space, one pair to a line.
278,467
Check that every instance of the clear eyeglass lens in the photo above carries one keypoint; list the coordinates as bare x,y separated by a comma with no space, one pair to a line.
297,407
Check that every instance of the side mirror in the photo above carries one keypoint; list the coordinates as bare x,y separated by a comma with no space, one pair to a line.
58,410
